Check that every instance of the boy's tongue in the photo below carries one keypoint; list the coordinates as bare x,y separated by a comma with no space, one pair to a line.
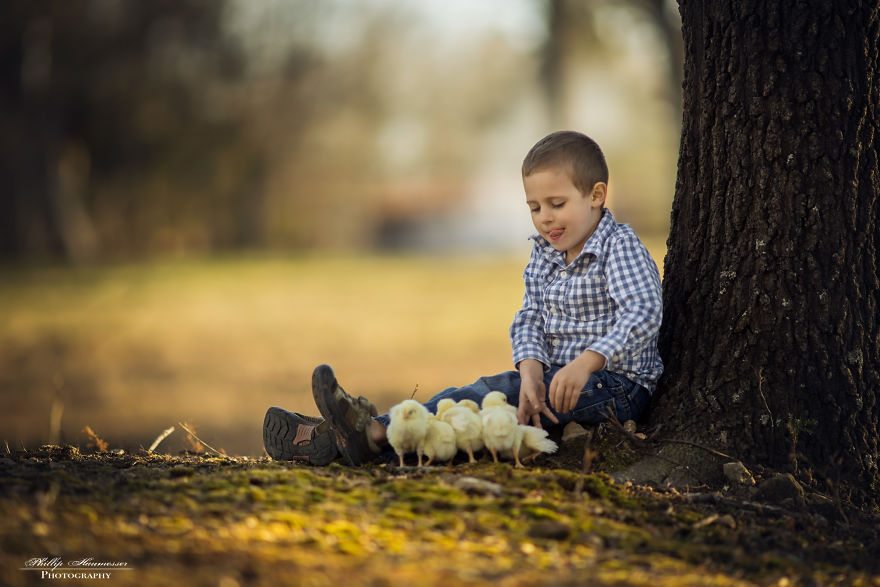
555,234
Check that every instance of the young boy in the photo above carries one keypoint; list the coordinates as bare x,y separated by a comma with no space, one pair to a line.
584,342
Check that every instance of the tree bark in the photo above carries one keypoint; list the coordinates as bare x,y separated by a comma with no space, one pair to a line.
771,325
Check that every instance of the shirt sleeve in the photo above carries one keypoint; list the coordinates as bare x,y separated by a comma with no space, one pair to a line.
527,331
634,284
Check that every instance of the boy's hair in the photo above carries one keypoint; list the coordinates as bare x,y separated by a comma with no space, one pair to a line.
576,152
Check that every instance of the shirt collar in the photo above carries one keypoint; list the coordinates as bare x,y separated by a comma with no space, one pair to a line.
594,244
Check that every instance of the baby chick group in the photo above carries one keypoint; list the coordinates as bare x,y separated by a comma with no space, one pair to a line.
463,426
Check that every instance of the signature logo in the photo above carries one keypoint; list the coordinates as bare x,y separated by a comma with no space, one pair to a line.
83,568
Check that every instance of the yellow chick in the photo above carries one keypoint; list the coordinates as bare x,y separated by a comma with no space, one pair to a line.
439,441
443,405
534,442
465,421
501,431
469,403
407,429
496,399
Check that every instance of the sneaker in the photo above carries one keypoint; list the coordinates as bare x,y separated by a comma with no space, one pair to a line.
349,418
289,436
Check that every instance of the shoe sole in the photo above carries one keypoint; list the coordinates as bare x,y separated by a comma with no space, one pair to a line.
279,433
323,389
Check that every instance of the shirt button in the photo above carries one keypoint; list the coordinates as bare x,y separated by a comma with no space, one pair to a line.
553,311
563,274
555,342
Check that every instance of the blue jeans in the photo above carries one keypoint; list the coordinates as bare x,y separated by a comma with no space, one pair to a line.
604,391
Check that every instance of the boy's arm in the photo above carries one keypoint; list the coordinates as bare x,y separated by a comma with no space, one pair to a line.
569,382
529,348
532,394
527,331
634,284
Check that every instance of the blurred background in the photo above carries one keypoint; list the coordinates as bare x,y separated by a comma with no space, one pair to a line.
202,200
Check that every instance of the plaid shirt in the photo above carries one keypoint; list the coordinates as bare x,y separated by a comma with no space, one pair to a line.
607,300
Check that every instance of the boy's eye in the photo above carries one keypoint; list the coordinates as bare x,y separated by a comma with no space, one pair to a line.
534,210
558,204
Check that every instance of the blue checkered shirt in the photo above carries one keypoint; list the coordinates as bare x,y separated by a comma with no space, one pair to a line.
607,300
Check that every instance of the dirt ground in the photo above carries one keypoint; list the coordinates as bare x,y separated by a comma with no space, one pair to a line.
211,520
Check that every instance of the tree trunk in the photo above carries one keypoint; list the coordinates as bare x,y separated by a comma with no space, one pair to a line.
771,325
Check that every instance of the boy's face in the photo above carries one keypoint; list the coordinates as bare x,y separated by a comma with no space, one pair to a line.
561,213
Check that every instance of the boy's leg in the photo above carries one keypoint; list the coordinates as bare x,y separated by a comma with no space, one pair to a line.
605,394
289,436
507,383
350,418
352,423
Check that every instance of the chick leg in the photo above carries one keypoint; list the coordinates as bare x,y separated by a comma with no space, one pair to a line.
494,455
419,453
470,451
429,461
400,456
518,464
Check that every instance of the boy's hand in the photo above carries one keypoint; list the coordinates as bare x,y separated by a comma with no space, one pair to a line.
532,392
569,382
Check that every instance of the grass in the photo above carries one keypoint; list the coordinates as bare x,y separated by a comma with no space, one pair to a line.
133,349
216,342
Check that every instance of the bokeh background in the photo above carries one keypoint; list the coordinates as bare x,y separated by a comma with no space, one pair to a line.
200,201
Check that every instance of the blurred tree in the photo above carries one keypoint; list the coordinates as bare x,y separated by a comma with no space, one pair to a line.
772,279
155,127
107,134
570,23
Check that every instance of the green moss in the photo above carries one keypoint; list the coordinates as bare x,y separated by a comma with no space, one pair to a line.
191,520
540,513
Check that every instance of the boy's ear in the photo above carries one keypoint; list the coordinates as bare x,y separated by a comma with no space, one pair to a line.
599,193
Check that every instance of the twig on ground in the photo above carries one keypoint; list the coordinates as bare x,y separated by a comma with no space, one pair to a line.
162,436
415,391
708,449
205,444
95,441
9,452
56,411
589,456
716,499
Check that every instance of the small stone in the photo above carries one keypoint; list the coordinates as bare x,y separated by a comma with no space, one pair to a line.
715,519
737,473
727,520
473,485
573,431
779,488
